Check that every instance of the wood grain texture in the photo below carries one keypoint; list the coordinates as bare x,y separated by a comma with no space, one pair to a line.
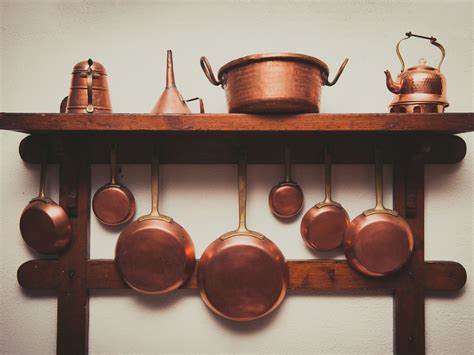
73,295
364,122
409,293
304,274
262,148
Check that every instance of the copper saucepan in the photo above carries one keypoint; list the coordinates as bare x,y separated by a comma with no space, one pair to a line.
286,198
155,254
272,83
242,275
44,225
378,242
113,204
324,225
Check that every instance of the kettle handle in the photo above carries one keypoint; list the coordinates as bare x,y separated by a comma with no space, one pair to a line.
432,40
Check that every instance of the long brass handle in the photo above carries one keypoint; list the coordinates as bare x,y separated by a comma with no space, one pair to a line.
113,164
44,168
242,174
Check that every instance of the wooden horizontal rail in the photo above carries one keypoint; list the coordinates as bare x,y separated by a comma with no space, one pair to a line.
304,274
262,148
129,122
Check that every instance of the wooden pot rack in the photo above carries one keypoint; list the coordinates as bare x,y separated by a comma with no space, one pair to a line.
78,140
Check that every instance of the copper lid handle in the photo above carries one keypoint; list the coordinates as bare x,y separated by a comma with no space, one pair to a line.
338,74
432,40
90,106
206,67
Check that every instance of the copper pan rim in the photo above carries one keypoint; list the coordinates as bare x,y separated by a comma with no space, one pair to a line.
291,57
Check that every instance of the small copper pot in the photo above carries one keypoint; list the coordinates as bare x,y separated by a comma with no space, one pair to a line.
89,92
272,83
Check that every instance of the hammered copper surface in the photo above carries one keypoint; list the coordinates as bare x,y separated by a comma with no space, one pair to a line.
44,225
378,244
242,275
272,83
113,204
78,99
170,100
323,226
155,254
420,88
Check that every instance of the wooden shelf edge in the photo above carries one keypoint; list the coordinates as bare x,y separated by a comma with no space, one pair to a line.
304,275
360,122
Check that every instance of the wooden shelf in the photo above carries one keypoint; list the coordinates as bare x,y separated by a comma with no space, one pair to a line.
365,122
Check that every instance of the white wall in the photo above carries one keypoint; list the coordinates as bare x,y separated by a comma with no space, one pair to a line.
40,43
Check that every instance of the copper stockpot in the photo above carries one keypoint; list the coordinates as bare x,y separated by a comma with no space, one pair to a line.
421,88
272,83
242,275
286,198
44,225
155,254
89,92
378,242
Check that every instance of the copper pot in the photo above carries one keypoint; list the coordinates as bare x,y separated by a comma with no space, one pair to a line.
272,83
421,88
89,92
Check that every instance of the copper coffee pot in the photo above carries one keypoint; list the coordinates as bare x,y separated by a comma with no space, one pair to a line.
171,100
420,88
89,92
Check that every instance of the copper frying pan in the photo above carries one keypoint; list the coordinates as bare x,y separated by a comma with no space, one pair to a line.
286,198
155,254
113,204
324,225
242,275
44,225
378,242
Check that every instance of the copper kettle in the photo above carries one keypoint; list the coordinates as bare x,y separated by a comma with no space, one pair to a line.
420,88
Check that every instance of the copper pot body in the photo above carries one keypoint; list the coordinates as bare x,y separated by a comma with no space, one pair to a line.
45,226
154,254
89,91
272,83
242,275
378,242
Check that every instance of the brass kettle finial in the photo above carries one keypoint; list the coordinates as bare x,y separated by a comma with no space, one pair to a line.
170,100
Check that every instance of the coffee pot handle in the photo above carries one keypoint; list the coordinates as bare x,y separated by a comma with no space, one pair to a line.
432,40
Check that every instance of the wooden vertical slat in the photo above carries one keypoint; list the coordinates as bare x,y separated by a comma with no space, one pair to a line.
73,295
409,295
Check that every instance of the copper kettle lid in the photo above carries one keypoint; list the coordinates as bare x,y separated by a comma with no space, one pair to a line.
84,66
273,56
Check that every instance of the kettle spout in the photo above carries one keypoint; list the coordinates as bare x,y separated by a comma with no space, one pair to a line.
393,85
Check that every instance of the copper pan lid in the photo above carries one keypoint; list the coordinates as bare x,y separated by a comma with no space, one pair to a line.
291,57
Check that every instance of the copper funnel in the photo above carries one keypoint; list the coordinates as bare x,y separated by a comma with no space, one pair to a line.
170,100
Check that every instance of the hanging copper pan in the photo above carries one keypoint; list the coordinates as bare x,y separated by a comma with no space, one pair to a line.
113,204
378,242
324,225
155,254
44,225
242,275
286,198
